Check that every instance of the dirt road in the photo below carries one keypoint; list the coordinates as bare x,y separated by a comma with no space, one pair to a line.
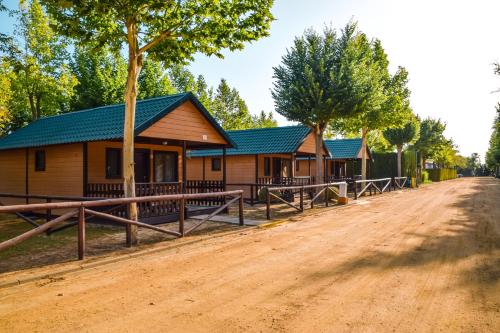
414,261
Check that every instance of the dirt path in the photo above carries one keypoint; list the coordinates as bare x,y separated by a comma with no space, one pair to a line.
414,261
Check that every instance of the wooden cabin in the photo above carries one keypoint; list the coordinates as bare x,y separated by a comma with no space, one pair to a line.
261,156
344,160
79,154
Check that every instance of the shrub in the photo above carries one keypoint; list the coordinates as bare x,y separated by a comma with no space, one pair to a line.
438,175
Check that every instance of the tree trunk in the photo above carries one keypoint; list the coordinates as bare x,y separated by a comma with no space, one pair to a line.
32,107
319,156
134,68
363,153
400,149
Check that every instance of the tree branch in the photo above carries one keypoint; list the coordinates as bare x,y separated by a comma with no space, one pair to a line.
154,42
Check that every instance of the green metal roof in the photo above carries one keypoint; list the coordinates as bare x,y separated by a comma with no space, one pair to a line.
101,123
274,140
344,148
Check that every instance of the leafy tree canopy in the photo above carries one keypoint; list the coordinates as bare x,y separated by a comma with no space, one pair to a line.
407,134
41,82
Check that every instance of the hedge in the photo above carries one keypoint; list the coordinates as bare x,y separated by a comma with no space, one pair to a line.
437,175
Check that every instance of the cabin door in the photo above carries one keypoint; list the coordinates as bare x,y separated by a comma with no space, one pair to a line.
141,167
166,166
286,167
277,167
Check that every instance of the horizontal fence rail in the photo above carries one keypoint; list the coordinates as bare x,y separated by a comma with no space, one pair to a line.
316,191
82,209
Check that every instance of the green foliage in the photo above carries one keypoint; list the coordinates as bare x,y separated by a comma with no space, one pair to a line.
305,83
493,153
431,137
101,76
407,134
425,177
153,81
41,82
264,120
438,175
229,109
168,31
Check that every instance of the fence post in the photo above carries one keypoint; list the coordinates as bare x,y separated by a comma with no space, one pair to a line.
268,204
48,212
242,222
251,195
326,196
355,190
181,215
128,229
302,199
81,233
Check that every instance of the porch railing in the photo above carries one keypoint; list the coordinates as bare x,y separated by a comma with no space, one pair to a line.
205,186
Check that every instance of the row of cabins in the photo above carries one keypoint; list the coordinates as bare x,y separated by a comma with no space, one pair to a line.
179,147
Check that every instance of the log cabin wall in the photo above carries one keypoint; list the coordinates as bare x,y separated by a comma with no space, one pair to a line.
12,174
63,174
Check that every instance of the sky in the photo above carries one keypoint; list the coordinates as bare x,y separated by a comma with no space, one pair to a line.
447,46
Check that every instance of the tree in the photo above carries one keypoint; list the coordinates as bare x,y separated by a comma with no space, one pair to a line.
101,76
305,85
263,120
376,99
431,138
5,98
399,136
166,31
154,81
42,84
229,109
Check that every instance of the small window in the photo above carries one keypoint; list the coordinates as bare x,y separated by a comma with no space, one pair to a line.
297,165
113,163
216,164
267,166
40,160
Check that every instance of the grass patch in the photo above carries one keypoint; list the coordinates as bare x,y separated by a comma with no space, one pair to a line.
11,226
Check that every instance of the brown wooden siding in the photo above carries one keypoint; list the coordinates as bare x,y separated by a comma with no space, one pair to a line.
97,159
309,145
185,123
63,173
12,174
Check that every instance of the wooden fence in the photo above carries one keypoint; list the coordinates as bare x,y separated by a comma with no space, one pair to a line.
82,209
315,192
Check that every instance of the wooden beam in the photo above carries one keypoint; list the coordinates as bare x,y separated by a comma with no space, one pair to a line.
204,173
184,171
309,164
85,169
26,179
224,169
292,173
256,168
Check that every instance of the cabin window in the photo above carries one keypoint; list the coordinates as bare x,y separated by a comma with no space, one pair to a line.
40,160
297,165
166,164
113,163
216,164
267,166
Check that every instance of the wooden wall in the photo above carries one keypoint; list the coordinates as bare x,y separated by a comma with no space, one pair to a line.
309,145
12,174
185,123
63,173
97,159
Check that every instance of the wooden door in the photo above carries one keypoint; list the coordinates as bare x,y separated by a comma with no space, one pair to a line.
141,168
